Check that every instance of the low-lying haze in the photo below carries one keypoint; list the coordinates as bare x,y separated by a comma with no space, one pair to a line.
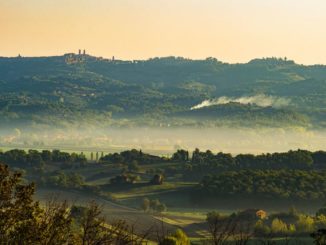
166,140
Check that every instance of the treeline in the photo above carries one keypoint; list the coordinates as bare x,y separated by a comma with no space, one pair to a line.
34,158
294,184
299,159
199,160
132,156
201,163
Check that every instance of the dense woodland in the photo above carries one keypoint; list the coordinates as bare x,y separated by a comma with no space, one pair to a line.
34,158
132,156
299,159
296,184
158,92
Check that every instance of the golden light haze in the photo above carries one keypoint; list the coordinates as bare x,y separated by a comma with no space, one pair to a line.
230,30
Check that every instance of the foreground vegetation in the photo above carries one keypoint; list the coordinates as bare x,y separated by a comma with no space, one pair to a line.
24,221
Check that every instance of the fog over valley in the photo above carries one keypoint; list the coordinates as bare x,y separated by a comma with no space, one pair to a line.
166,140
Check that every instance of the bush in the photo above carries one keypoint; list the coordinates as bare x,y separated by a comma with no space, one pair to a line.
133,166
305,224
279,227
178,238
153,205
261,229
145,205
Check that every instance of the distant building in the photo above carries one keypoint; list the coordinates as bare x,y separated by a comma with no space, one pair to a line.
72,58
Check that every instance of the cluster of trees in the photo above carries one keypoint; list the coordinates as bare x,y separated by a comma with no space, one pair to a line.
299,159
292,223
206,162
124,179
176,238
154,205
199,161
242,227
34,158
133,156
181,156
63,180
295,184
303,225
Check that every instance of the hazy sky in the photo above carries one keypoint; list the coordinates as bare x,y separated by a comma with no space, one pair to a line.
230,30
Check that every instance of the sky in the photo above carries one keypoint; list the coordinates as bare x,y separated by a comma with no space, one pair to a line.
230,30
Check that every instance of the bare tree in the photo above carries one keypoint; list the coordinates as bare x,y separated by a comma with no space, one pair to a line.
125,234
96,231
220,228
243,234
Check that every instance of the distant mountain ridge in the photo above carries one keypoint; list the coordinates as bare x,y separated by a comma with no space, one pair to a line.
79,88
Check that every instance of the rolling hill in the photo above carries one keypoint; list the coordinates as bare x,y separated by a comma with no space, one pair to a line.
68,89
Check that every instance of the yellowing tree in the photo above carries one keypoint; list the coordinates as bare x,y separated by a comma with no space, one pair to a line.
305,224
321,221
178,238
278,226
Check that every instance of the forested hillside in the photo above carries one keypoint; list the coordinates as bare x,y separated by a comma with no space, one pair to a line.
168,91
